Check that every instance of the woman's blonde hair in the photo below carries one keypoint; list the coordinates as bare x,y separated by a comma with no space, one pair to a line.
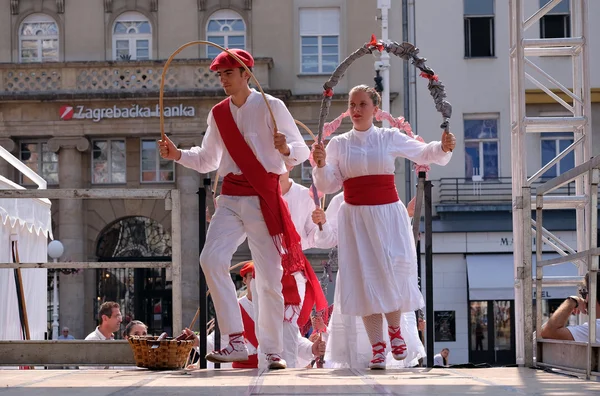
374,95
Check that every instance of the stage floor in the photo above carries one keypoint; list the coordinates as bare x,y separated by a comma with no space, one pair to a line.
490,381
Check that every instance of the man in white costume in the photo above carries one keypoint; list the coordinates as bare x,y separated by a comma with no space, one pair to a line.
243,144
301,206
305,349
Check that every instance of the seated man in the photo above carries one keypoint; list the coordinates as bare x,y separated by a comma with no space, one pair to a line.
441,359
556,329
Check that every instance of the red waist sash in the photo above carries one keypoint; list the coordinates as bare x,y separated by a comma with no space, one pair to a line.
370,190
238,185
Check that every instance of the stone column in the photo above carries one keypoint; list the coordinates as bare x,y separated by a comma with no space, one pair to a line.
71,231
188,182
6,169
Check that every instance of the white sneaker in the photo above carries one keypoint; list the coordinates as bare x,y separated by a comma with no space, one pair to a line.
275,362
378,361
398,345
235,351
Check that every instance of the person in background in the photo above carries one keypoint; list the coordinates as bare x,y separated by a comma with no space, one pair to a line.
110,319
556,328
441,359
135,328
65,334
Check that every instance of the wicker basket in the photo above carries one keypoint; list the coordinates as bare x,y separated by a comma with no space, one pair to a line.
167,354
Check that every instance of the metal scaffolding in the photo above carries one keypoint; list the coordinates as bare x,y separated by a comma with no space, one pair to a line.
523,52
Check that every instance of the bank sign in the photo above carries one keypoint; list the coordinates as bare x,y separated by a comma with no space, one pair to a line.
134,111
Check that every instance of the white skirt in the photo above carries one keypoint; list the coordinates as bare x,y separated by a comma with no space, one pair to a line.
377,260
348,344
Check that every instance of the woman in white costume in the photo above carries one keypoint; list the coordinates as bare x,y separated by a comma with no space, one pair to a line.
378,271
348,343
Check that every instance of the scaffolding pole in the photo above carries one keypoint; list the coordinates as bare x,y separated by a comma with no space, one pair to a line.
523,66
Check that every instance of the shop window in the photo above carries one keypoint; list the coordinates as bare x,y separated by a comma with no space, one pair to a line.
153,167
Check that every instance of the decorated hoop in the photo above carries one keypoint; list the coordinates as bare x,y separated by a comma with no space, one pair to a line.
198,42
406,51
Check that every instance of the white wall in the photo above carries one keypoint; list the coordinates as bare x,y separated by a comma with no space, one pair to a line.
450,294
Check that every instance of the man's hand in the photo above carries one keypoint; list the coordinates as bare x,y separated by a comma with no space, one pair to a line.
448,141
319,154
281,143
581,308
167,150
318,216
318,347
189,333
410,208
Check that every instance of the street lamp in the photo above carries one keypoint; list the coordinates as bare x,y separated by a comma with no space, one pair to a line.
55,250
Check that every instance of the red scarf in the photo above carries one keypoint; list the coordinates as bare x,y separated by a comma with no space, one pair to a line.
266,186
255,180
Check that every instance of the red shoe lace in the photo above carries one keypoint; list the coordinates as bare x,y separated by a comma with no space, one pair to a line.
397,349
273,357
233,339
378,349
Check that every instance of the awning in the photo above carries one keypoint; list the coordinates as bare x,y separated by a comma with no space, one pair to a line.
491,277
33,214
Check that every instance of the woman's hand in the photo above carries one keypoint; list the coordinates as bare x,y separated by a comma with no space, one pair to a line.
318,216
319,154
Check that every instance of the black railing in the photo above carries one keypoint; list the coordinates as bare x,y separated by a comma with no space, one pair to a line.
454,190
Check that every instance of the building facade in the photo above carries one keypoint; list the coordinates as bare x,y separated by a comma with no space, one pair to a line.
79,85
472,241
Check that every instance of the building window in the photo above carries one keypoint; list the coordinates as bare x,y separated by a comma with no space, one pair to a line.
132,37
557,22
553,144
481,148
108,161
319,40
227,29
154,168
42,161
38,39
479,28
306,174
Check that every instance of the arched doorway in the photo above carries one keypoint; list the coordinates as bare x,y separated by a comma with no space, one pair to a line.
144,294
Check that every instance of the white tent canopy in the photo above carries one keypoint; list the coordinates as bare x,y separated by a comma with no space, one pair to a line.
28,221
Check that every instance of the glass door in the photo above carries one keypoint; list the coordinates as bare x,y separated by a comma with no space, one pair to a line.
492,332
479,339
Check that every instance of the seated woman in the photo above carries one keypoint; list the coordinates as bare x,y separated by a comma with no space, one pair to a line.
135,328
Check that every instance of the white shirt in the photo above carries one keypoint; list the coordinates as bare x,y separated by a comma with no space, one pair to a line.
301,206
97,335
255,124
328,238
581,333
438,360
372,152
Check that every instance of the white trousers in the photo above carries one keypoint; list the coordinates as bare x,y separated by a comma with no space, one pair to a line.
291,332
235,219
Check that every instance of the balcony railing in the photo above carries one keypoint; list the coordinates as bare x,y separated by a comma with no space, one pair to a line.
494,191
94,76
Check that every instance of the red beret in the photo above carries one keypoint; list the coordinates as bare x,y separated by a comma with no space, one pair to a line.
227,61
247,268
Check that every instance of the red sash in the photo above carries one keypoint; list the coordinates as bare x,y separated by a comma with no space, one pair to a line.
370,190
272,205
250,335
255,180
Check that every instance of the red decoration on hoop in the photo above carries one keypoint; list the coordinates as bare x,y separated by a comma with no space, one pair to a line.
328,92
433,77
375,43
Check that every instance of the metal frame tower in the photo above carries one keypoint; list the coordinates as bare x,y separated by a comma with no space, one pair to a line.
523,52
